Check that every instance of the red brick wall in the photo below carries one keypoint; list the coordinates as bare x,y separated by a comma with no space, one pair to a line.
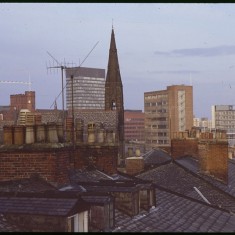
50,165
214,158
53,164
183,147
21,101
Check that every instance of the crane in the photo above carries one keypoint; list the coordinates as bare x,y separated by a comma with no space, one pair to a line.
18,82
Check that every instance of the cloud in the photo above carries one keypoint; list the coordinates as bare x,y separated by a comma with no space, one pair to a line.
174,72
202,52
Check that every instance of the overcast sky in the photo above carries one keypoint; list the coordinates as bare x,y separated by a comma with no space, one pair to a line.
158,45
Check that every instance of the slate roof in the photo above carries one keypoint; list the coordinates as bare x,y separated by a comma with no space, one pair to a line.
33,184
175,178
93,175
97,199
107,187
192,164
85,175
174,213
156,157
38,206
73,187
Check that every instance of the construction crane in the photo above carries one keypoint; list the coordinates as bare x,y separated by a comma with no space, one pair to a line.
18,82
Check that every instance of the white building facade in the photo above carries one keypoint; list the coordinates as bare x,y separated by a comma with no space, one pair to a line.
223,118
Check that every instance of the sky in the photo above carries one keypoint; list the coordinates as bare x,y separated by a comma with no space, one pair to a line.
158,45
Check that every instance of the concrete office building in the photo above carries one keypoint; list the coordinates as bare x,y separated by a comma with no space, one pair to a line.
88,88
167,111
223,118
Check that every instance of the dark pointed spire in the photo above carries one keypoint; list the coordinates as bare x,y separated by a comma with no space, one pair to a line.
113,85
114,94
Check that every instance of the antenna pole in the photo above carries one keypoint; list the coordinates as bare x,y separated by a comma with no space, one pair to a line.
62,78
62,67
73,131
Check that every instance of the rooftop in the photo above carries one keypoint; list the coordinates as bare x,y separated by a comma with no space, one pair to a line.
174,213
177,179
33,184
192,165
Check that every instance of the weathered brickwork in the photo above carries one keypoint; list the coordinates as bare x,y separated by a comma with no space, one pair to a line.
134,165
214,158
53,164
184,147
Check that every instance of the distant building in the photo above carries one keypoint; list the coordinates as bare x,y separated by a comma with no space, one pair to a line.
88,88
17,102
134,125
223,118
203,123
167,111
23,101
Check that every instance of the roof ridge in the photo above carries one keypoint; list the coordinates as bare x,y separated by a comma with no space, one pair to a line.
190,198
203,179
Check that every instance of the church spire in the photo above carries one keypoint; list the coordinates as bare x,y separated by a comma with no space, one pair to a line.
114,94
113,85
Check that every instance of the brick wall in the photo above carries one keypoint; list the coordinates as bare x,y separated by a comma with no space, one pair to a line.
214,158
134,165
184,147
52,164
21,101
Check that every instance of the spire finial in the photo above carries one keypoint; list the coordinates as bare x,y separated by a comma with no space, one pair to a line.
112,23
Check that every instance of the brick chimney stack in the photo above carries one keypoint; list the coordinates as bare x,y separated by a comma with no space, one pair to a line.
213,158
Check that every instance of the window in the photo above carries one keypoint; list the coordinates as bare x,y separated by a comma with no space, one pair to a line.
78,222
73,223
113,105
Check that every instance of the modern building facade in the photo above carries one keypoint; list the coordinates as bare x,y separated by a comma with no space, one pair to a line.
167,111
134,125
223,118
85,88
